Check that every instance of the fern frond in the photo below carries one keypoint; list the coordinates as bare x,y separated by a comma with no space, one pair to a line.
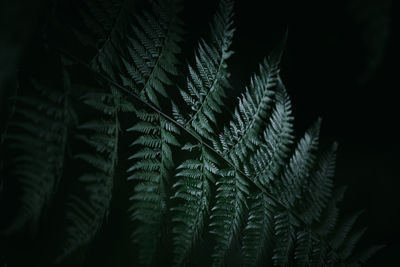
347,247
363,256
153,162
207,80
318,190
340,234
193,188
104,22
38,137
330,246
304,248
242,135
152,51
85,211
284,228
227,213
269,158
259,229
149,65
297,171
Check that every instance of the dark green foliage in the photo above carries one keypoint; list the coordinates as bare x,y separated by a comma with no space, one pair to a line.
104,22
149,64
153,160
193,188
208,80
37,136
242,186
151,51
85,210
258,228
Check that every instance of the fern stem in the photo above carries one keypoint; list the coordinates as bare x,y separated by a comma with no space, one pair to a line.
315,236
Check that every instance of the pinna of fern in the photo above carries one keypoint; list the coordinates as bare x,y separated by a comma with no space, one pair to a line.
85,212
207,81
37,136
104,23
150,57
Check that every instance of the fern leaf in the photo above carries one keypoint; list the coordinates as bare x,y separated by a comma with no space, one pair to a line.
85,212
152,49
304,247
38,137
347,248
242,135
192,187
363,256
319,189
329,217
284,228
207,80
149,63
331,244
258,230
340,234
269,158
299,167
227,214
104,23
153,161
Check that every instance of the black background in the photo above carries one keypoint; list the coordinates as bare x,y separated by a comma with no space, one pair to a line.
339,63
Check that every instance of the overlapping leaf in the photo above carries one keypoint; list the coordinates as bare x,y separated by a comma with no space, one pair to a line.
150,64
38,137
208,79
85,211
